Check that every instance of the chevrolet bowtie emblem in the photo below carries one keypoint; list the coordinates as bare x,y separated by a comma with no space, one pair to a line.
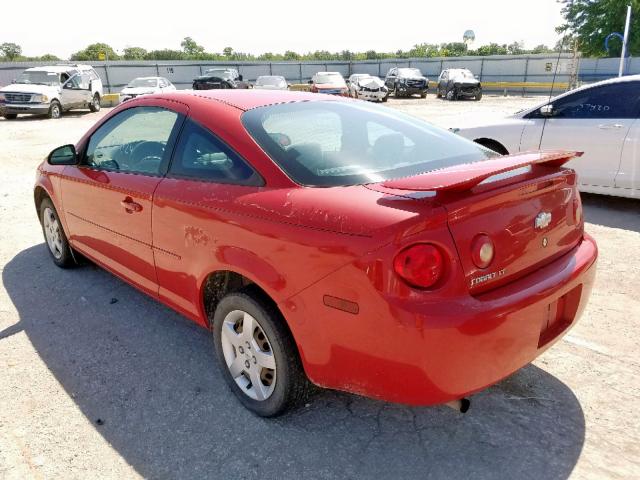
543,219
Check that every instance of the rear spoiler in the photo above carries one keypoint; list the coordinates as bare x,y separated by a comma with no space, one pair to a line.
459,178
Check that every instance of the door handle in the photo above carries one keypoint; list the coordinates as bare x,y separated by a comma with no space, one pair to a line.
610,126
130,206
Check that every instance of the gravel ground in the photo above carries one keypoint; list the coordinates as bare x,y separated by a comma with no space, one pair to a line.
99,381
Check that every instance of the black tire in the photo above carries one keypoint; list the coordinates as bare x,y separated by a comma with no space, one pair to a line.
62,257
292,386
95,106
55,110
396,92
452,95
10,116
492,145
423,95
438,94
478,96
385,98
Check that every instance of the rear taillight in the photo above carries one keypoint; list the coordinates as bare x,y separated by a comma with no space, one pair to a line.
482,251
420,265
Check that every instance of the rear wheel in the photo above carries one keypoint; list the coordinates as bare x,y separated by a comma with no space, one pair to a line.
94,106
10,116
397,93
478,96
452,95
257,355
55,236
55,110
423,95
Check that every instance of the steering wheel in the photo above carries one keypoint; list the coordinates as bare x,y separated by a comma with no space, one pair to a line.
146,156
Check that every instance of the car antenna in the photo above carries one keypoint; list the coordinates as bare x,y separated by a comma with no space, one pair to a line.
553,82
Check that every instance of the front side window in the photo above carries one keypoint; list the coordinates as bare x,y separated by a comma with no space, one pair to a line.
202,156
135,141
327,143
616,100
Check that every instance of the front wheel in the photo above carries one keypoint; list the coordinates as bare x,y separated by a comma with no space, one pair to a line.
452,95
94,106
55,110
257,355
423,95
54,235
10,116
478,96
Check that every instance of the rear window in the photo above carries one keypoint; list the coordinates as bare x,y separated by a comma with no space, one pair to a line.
328,143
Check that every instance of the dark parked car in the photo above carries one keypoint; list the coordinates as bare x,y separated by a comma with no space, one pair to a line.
455,83
220,78
404,82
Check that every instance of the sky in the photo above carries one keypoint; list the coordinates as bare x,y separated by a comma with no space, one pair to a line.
277,25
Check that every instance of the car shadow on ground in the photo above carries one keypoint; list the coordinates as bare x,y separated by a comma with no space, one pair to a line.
615,212
148,374
33,118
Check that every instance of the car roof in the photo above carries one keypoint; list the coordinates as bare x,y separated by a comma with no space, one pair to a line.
59,68
245,99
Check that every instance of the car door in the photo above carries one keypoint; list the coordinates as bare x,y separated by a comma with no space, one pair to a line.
73,95
442,82
390,80
596,121
193,213
107,198
627,180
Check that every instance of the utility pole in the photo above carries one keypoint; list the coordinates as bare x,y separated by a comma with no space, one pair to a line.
623,55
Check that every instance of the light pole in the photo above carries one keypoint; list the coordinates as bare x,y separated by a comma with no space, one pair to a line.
624,42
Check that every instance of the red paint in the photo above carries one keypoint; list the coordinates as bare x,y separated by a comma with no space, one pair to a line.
306,245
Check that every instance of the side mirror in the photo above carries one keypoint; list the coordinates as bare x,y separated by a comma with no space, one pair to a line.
240,77
65,155
546,110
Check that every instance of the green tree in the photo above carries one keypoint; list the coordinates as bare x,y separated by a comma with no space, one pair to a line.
590,21
191,48
165,54
541,49
516,48
227,52
492,49
134,53
291,55
371,55
454,49
11,51
93,51
47,57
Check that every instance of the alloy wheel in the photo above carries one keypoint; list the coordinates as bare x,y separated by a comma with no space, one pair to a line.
52,232
248,355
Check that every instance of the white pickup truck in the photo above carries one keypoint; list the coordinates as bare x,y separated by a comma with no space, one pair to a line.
51,90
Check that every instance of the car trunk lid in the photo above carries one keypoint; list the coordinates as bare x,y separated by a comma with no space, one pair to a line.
529,208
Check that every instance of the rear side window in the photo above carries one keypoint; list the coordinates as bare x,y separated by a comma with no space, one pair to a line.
616,100
200,155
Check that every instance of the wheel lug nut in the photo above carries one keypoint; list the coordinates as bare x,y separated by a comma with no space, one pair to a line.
241,350
254,360
247,364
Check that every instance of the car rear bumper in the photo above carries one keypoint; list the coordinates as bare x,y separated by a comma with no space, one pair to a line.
413,352
24,108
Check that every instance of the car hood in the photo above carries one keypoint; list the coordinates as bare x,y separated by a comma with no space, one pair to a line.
138,90
29,88
371,83
413,78
268,87
465,81
330,85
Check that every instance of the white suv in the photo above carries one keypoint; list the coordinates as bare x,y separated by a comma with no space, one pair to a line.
51,91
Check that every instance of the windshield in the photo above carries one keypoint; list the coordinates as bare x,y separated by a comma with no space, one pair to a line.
39,77
275,81
409,72
462,74
143,82
329,78
221,73
327,143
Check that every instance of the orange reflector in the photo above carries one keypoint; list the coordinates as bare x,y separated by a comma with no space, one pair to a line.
341,304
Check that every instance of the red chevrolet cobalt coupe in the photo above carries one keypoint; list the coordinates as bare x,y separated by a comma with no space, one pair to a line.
325,240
